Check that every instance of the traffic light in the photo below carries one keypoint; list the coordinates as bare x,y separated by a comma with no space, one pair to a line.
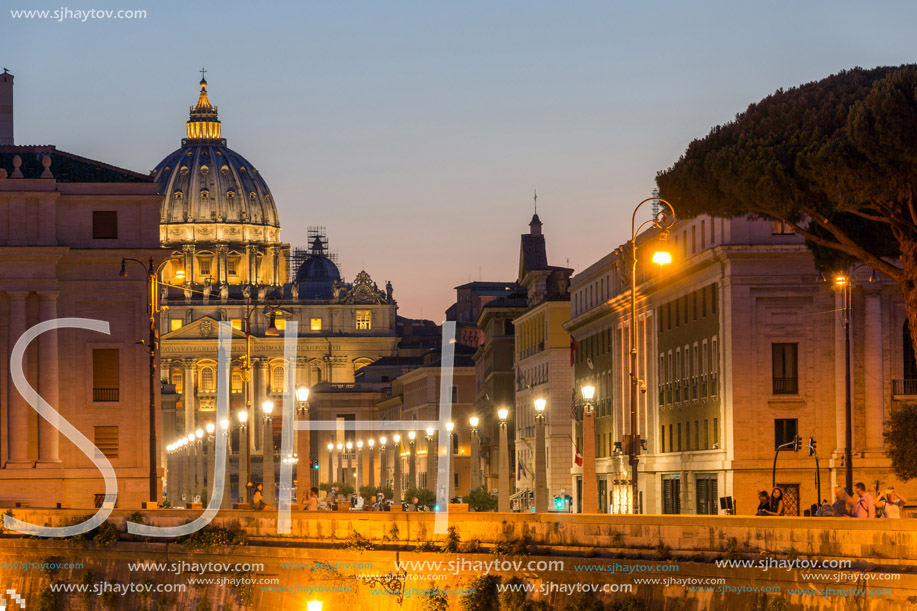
811,446
797,442
314,464
558,502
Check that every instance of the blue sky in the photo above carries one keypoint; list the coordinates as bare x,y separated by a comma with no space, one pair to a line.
415,132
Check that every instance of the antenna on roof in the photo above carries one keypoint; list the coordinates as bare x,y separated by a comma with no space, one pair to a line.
536,201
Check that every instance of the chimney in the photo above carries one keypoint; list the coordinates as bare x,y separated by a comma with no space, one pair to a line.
6,108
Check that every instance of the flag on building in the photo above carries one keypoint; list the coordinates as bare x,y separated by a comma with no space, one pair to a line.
579,456
573,347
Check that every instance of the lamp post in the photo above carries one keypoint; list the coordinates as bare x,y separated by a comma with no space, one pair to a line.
340,467
372,466
211,461
359,465
243,456
267,468
589,500
330,462
431,459
450,427
383,462
303,442
226,503
503,497
541,459
187,475
844,285
663,219
171,472
152,272
397,476
475,475
198,464
346,479
412,461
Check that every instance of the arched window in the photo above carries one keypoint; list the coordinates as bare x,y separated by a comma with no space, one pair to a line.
277,379
176,380
207,383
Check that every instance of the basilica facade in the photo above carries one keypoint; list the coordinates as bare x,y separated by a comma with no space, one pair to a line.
220,222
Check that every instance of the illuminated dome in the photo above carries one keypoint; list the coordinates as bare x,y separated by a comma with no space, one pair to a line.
210,192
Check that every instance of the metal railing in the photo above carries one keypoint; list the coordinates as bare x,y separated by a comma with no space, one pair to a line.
105,394
786,386
904,387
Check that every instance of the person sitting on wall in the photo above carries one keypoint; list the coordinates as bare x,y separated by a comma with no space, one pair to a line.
776,507
311,503
258,503
764,503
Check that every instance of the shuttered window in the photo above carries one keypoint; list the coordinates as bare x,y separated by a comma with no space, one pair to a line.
106,439
707,494
104,225
105,374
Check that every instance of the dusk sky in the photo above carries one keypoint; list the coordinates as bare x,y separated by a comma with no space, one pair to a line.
416,132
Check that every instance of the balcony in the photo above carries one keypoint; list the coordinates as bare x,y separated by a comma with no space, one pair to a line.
105,394
904,387
786,386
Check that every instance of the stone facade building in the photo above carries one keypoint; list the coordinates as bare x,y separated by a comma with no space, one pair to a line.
741,348
220,221
65,224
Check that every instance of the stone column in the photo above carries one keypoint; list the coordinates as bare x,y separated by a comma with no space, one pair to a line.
227,492
187,395
475,475
48,384
223,276
874,386
18,408
188,261
541,476
260,383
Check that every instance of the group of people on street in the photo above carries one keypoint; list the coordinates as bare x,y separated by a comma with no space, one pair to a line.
861,505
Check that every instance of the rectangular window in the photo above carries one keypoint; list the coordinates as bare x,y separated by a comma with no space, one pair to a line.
693,239
106,439
713,298
785,371
315,324
697,435
175,324
236,323
105,374
679,436
671,444
688,436
703,303
232,266
706,486
671,494
716,432
662,437
781,228
104,225
364,320
677,312
694,304
280,324
706,434
703,235
203,264
785,431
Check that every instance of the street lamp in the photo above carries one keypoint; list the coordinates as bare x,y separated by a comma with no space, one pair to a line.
198,463
211,463
224,430
359,465
340,449
314,605
152,272
475,475
303,441
450,428
589,500
503,497
397,471
412,461
372,465
663,220
267,453
243,456
431,460
541,459
383,462
330,462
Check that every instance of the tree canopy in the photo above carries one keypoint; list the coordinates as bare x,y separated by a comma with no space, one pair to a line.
836,159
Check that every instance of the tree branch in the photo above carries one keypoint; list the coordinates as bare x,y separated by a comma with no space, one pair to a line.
872,217
845,244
